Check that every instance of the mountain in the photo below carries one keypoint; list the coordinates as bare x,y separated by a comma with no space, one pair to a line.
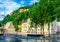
17,16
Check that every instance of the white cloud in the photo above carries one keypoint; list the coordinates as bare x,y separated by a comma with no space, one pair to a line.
1,17
33,1
1,5
9,6
2,13
22,2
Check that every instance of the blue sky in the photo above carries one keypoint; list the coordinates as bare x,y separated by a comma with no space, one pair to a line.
8,6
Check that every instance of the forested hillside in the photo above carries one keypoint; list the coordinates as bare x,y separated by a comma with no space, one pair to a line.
16,17
39,13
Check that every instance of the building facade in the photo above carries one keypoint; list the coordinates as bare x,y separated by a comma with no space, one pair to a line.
55,26
9,28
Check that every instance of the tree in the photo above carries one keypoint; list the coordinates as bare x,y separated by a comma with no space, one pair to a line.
16,16
34,16
0,23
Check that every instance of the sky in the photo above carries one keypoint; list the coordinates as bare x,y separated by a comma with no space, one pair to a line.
8,6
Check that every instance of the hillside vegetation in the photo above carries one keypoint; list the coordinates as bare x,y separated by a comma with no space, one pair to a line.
39,13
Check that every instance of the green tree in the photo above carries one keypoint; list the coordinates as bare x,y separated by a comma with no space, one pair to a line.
34,15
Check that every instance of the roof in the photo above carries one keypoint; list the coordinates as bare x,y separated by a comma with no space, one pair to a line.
7,25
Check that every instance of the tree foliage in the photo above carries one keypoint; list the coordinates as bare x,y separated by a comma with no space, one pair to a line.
42,12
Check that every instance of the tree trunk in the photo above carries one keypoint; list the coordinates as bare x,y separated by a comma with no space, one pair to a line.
36,31
42,30
49,30
36,28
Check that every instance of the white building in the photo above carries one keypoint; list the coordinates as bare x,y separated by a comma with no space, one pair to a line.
58,26
55,27
9,28
25,26
39,31
26,29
